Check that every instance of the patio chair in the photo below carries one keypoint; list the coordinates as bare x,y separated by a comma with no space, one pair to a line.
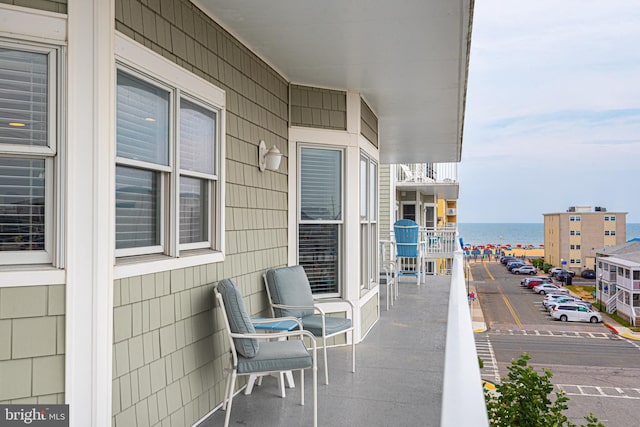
408,249
248,356
290,294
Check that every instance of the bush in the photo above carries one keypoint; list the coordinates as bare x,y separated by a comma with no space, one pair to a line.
546,267
523,399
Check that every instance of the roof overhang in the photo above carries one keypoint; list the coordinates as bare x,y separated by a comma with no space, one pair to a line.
408,60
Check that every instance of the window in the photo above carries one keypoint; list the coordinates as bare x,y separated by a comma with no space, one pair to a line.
28,152
320,217
167,146
576,218
610,218
610,232
636,275
368,221
606,218
572,246
574,232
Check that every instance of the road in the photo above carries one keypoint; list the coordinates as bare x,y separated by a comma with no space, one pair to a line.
596,368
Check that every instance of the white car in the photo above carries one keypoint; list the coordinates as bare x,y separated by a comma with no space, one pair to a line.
552,298
575,313
568,300
549,287
525,269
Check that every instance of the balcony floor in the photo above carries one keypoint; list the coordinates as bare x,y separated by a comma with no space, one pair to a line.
398,379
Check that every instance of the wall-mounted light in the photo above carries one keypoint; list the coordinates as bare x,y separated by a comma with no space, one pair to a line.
268,159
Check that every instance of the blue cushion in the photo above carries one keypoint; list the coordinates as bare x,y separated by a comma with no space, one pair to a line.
239,320
290,286
277,356
332,324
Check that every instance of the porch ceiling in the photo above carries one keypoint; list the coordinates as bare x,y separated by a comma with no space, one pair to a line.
408,59
443,190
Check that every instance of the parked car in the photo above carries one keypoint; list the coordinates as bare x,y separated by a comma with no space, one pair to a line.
564,275
568,300
515,264
526,280
533,283
588,274
548,287
554,270
505,259
575,313
525,269
552,298
558,270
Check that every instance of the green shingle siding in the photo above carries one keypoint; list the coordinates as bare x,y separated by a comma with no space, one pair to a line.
59,6
318,108
368,123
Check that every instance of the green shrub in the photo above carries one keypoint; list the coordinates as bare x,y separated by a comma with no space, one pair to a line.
524,399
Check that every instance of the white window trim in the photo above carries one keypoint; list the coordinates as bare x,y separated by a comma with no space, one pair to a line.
340,222
145,61
51,154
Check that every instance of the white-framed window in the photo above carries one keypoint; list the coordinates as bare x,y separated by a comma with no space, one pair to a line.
574,232
169,141
30,114
609,232
368,221
321,216
575,261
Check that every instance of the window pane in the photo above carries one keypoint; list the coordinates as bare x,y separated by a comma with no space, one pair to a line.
137,208
22,204
197,138
193,210
321,177
363,187
373,191
23,97
319,255
142,120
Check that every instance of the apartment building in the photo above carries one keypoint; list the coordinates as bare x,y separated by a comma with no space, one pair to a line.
571,237
618,280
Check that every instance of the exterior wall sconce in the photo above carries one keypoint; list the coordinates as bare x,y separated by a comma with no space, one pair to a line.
268,159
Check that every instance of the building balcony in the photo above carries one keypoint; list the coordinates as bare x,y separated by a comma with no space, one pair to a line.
439,179
417,366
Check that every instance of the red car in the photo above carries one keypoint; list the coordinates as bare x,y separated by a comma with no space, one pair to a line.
533,283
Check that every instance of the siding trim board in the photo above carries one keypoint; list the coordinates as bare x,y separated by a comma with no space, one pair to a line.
368,123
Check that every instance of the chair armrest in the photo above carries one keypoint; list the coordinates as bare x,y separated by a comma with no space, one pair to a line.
292,307
277,320
271,335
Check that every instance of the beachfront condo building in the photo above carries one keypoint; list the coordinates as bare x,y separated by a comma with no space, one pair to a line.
571,237
618,280
150,149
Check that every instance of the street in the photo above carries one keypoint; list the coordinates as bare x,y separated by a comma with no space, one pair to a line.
596,368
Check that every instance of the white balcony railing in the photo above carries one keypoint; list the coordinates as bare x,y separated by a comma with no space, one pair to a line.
438,243
427,172
463,401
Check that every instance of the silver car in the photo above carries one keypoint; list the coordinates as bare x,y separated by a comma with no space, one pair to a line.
549,287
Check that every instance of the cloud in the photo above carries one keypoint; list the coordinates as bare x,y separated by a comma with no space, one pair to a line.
553,108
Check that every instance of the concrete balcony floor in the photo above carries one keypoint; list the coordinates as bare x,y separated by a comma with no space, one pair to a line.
398,379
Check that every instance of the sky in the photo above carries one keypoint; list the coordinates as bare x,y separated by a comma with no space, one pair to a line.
553,110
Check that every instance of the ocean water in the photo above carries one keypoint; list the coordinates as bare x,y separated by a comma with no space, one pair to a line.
514,233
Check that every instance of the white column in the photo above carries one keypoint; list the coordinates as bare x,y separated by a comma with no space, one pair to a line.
90,212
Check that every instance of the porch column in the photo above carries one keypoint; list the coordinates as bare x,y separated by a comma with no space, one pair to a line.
89,212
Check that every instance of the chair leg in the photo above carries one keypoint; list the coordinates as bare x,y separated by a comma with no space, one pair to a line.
226,391
227,415
315,395
326,363
353,350
302,387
